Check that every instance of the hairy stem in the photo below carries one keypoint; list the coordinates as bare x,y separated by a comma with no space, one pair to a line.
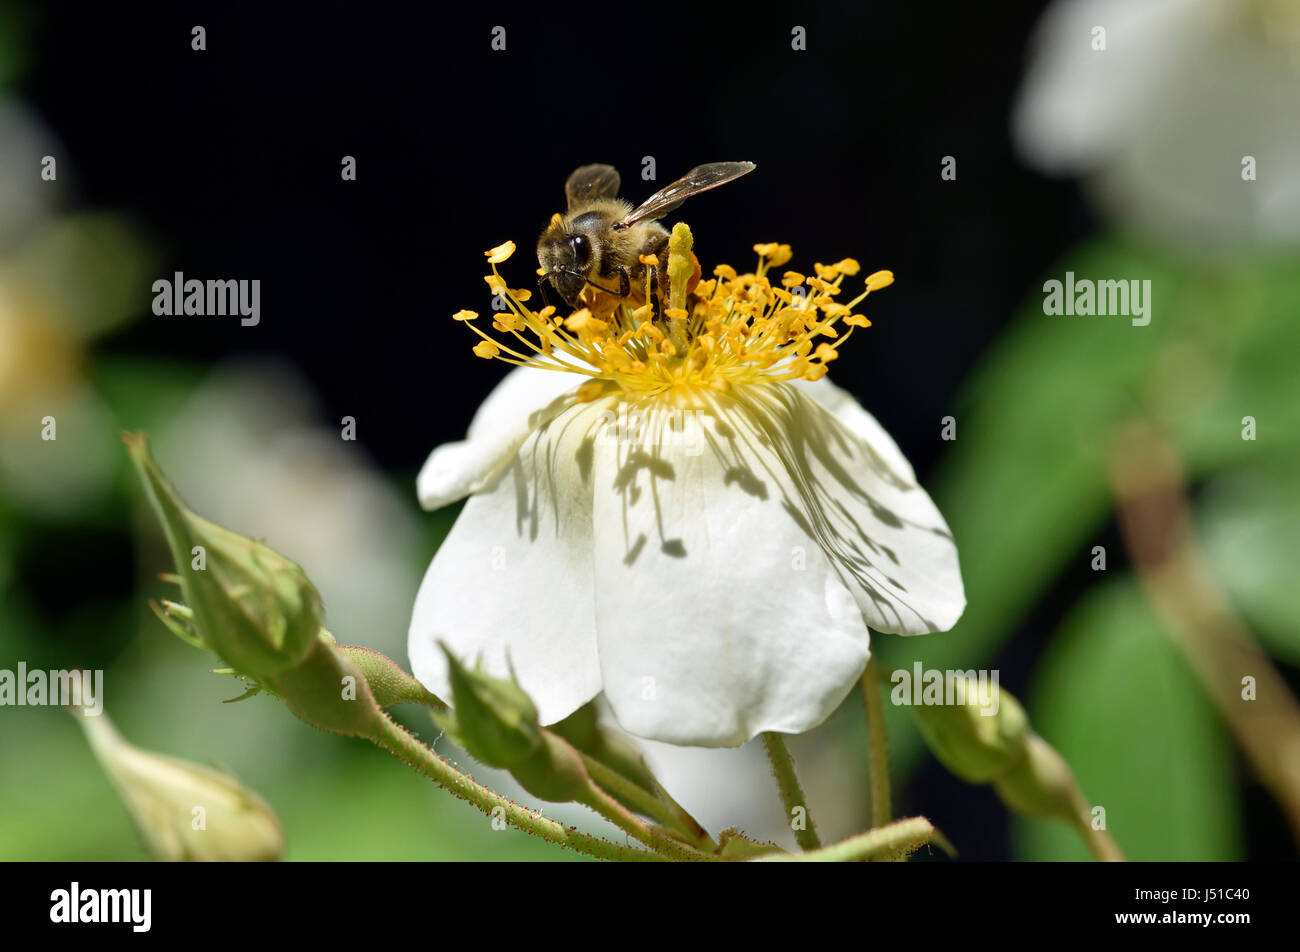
878,745
894,841
805,833
393,738
647,803
657,840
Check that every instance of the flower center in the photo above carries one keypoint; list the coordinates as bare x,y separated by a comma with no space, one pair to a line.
731,330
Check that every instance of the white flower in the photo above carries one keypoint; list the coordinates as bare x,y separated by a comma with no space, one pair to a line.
708,553
1164,118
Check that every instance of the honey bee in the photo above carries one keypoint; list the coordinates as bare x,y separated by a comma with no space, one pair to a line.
600,239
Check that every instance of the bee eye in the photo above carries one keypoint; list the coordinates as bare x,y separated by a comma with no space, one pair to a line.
581,249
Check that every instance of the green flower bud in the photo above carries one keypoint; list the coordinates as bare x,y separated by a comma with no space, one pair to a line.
554,772
184,811
1000,748
250,604
495,721
388,682
1041,784
974,744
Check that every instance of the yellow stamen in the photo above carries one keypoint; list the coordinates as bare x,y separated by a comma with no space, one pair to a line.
732,330
500,253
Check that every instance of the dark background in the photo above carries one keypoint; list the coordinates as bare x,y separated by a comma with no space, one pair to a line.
229,159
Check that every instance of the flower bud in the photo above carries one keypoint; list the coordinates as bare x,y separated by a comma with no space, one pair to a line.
555,772
1000,748
1041,784
184,811
615,750
251,605
495,721
975,740
388,682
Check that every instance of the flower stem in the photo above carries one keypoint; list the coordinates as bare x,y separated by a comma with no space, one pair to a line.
894,841
805,833
1156,523
659,841
878,745
647,803
1102,845
393,738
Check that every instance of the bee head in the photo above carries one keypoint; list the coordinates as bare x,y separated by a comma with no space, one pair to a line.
566,260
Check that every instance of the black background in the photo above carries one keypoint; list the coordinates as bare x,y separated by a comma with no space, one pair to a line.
231,159
1078,899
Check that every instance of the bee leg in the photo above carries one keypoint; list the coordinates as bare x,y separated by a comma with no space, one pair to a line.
624,282
656,305
541,287
658,275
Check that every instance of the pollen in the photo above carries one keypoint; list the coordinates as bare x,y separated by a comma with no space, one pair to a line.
730,331
500,253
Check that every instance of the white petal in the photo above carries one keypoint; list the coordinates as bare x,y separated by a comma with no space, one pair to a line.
514,576
881,530
718,617
725,787
523,399
845,408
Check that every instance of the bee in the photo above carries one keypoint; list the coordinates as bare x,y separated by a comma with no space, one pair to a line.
600,239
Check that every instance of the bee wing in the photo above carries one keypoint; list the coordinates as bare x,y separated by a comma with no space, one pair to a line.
699,179
591,182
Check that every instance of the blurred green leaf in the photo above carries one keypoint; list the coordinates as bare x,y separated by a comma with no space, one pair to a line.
1025,485
1249,524
1113,695
13,42
144,393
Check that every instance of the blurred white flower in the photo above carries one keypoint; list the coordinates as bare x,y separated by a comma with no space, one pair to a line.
1185,97
24,198
64,279
57,441
249,451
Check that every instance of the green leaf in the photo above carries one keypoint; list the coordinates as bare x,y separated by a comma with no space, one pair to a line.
1249,525
1114,696
1024,487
